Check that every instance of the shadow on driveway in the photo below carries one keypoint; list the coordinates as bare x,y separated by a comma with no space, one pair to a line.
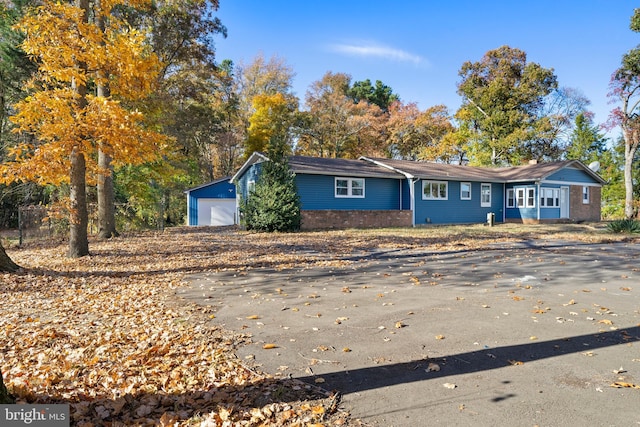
357,380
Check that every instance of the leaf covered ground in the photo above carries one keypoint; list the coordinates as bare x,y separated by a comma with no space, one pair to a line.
106,334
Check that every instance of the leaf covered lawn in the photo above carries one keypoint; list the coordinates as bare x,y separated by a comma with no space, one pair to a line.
106,334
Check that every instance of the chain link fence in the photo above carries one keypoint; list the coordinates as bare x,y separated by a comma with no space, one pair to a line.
39,222
35,223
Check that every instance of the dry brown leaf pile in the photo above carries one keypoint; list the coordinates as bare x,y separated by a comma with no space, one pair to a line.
106,334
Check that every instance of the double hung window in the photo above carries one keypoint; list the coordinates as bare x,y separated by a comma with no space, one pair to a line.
585,195
525,197
465,191
435,190
485,195
549,197
349,187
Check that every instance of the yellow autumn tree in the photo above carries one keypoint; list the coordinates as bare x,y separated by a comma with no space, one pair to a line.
65,125
273,116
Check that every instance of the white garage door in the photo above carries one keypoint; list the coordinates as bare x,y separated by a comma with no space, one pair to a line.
216,211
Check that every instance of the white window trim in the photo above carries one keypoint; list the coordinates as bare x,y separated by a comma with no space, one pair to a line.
349,194
482,202
461,196
429,182
521,194
531,198
555,196
586,191
513,198
524,191
251,186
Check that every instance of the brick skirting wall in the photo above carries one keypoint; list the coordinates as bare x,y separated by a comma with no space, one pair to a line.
339,219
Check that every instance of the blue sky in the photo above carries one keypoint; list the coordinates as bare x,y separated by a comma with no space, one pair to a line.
418,47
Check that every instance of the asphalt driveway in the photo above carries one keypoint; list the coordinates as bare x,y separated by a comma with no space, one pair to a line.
533,333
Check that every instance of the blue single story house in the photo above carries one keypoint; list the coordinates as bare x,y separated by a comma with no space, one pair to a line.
375,192
212,204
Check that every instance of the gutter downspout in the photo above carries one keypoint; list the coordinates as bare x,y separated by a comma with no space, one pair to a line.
504,203
538,199
410,179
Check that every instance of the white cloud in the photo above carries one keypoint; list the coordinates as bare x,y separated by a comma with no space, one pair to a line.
377,51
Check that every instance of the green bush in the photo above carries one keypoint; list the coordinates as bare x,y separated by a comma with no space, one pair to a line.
274,204
630,226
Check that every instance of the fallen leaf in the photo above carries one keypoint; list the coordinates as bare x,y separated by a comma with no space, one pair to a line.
516,362
433,367
317,410
620,384
253,317
439,337
346,350
339,320
400,325
449,386
269,346
605,321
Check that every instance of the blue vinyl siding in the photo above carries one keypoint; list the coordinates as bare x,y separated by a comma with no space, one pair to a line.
549,212
251,174
317,192
570,175
406,195
218,190
524,212
454,210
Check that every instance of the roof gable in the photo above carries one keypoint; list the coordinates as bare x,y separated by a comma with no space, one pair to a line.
542,171
209,184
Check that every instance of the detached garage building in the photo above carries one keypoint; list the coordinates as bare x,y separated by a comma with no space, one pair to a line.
212,204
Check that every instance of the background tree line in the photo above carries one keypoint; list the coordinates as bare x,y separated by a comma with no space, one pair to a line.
136,108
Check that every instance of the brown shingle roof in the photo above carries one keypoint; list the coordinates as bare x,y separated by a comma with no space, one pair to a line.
398,169
442,171
348,167
432,170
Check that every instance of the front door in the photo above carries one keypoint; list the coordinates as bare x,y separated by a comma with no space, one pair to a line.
564,202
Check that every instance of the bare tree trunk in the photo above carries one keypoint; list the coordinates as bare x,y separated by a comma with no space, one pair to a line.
106,193
6,263
79,217
106,198
631,141
5,397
